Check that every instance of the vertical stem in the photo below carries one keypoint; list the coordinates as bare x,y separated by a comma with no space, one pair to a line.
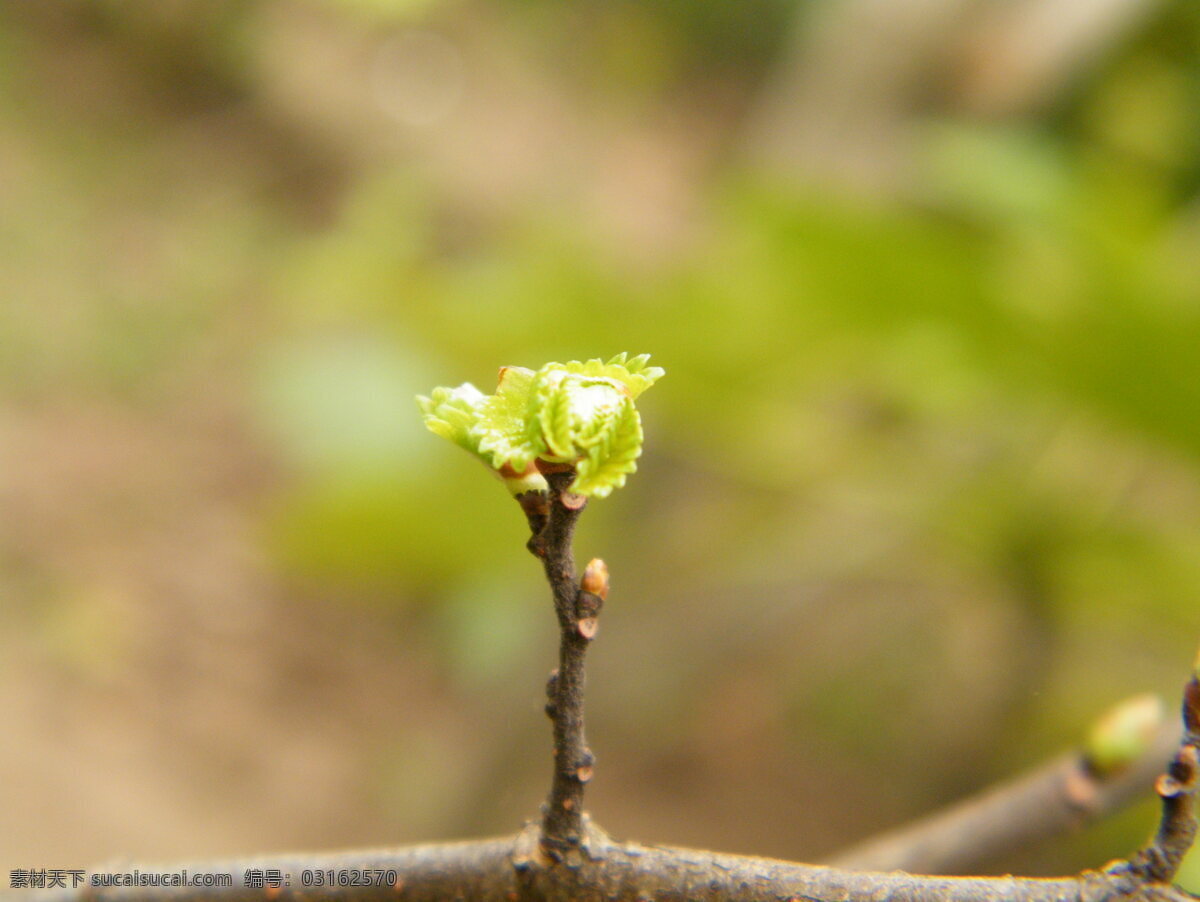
562,822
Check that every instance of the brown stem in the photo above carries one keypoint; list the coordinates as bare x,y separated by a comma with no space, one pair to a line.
1159,860
511,868
1048,801
528,867
562,822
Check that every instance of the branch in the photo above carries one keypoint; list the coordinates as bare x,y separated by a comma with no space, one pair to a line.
1055,798
1160,859
503,870
526,868
567,858
577,607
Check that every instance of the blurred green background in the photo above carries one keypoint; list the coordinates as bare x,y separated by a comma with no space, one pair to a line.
921,491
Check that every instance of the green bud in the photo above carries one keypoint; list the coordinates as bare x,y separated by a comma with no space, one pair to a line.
577,415
1123,733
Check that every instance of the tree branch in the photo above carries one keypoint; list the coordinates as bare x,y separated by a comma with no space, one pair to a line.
565,857
503,870
1055,798
577,607
527,869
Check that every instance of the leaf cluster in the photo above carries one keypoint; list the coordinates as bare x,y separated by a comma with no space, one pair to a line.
578,414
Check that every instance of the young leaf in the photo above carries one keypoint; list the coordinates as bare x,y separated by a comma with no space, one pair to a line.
576,413
453,413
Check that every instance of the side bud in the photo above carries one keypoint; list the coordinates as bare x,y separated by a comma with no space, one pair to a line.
595,578
593,589
1123,734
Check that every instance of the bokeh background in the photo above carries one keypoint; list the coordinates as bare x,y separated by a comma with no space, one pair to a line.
921,490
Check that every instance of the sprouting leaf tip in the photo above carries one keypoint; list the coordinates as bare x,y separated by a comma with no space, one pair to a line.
579,413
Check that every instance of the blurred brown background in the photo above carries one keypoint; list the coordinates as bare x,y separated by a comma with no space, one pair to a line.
921,493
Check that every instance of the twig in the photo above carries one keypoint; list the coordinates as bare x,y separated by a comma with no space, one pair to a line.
1055,798
1160,859
577,607
529,867
567,858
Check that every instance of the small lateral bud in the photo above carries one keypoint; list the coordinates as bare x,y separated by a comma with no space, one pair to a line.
588,627
573,500
1167,786
1123,734
595,578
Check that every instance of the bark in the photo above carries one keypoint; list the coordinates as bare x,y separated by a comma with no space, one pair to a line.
562,823
514,870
